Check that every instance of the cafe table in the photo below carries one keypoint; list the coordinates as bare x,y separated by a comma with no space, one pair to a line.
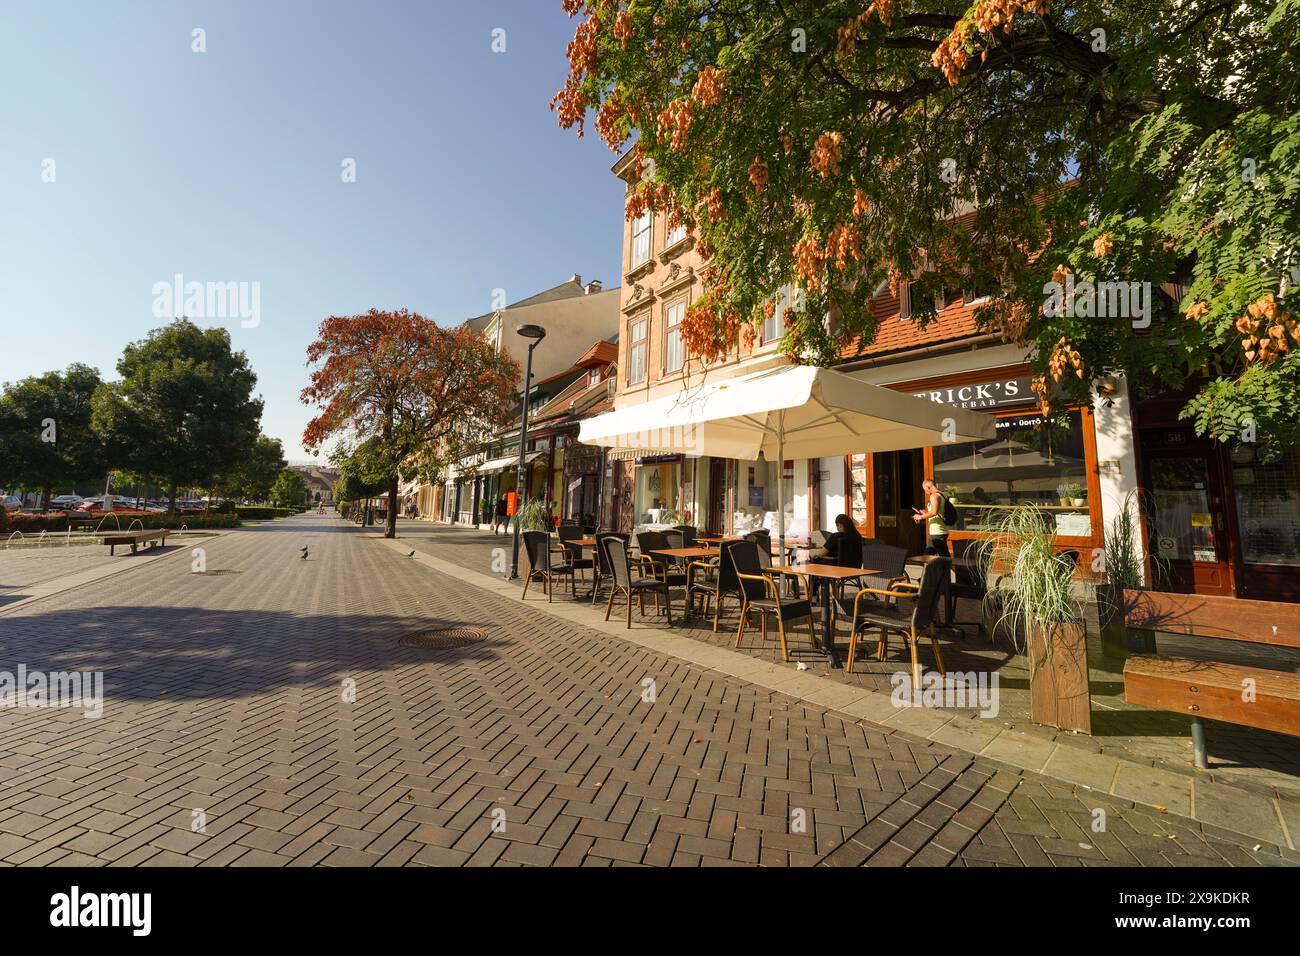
829,573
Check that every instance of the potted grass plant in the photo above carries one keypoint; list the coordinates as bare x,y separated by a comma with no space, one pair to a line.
532,515
1034,603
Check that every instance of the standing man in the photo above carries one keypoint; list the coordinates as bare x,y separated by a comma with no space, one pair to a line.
936,527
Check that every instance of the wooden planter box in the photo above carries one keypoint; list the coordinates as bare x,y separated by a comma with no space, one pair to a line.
1058,681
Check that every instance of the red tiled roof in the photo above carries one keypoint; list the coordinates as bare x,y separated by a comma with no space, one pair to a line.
893,334
602,353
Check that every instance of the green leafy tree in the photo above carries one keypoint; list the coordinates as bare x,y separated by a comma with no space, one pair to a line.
257,473
46,438
290,489
183,411
361,476
844,146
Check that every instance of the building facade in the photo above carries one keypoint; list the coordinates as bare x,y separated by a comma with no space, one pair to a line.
575,315
1079,466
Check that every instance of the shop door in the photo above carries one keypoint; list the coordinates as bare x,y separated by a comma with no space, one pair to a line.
717,520
1188,533
897,490
623,478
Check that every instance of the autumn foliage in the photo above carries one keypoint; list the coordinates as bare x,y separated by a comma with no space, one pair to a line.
845,146
415,393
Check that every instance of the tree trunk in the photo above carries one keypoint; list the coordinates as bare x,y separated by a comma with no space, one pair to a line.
390,527
171,499
45,497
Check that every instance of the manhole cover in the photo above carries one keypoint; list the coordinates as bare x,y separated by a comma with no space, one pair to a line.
444,638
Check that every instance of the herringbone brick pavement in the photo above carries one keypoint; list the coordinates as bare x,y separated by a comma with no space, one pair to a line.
264,714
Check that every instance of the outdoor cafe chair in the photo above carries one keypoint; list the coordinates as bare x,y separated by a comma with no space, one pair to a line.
657,566
890,564
689,534
538,546
573,552
620,567
869,615
758,592
602,572
969,579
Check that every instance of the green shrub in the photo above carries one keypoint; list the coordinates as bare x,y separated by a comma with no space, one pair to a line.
258,513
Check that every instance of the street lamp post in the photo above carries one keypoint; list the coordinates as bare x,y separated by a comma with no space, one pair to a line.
536,333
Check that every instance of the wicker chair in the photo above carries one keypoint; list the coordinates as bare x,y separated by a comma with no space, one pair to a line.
620,567
758,592
871,615
662,568
538,546
714,580
889,563
602,572
689,534
572,552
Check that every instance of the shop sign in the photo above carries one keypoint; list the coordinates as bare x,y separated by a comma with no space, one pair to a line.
1010,391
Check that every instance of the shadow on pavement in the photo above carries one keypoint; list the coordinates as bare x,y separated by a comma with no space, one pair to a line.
156,653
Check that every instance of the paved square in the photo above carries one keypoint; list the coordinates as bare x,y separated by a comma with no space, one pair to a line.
265,714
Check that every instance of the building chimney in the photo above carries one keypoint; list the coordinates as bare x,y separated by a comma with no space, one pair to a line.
576,279
592,287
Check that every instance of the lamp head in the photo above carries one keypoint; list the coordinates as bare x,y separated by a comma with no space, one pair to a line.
531,332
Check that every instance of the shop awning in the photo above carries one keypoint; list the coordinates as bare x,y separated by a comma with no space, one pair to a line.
498,465
796,411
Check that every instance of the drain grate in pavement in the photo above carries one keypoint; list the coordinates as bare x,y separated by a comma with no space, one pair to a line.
444,638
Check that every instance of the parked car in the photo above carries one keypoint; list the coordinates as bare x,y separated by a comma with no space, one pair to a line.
65,502
12,503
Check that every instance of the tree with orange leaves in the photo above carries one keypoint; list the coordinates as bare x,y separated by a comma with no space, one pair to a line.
845,145
417,395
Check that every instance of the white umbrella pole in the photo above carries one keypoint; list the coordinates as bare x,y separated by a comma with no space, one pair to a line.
780,479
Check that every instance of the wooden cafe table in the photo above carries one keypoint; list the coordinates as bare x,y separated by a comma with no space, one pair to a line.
829,573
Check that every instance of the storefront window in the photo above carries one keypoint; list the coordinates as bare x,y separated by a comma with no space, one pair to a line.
756,496
656,500
1031,461
1268,506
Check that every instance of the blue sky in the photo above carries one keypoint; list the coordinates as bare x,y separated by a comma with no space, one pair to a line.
225,166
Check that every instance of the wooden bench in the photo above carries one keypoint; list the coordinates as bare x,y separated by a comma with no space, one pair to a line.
1233,693
133,538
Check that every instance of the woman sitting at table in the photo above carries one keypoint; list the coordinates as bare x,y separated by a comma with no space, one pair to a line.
842,549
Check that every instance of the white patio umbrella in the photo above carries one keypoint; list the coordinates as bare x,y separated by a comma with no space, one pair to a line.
798,411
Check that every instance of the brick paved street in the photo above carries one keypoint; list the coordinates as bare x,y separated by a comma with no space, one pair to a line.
225,705
1247,757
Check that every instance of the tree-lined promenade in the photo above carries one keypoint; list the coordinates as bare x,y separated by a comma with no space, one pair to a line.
181,415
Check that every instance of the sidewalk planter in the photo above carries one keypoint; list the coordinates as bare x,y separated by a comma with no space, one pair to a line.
1058,676
1038,600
